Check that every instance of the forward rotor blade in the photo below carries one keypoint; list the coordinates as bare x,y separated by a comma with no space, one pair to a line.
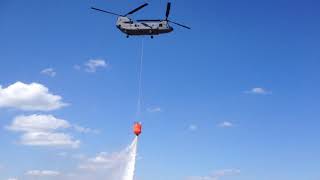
137,9
101,10
149,20
179,24
168,10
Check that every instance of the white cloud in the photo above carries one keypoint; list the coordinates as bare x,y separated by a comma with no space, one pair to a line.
225,124
258,91
104,161
29,97
216,175
85,130
36,123
226,172
12,178
93,64
43,173
193,127
49,72
76,156
41,130
154,109
49,139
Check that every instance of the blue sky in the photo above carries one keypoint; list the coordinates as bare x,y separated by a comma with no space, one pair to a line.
235,98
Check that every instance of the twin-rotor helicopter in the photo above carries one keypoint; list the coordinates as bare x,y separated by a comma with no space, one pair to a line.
148,27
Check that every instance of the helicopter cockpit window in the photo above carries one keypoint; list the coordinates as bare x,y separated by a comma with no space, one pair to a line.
160,25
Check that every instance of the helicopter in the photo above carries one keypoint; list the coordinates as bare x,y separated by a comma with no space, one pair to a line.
149,27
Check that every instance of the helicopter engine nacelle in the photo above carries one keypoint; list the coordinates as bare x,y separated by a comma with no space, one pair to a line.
122,20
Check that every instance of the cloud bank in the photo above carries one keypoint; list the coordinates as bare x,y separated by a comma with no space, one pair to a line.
43,130
29,97
216,175
258,91
49,72
226,124
93,64
42,173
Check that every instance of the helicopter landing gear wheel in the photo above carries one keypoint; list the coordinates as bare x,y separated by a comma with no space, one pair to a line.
151,37
127,36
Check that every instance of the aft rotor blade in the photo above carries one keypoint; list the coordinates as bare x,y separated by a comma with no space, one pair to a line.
168,10
147,25
137,9
179,24
101,10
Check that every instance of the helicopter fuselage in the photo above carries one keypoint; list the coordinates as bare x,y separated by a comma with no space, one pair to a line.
130,27
146,27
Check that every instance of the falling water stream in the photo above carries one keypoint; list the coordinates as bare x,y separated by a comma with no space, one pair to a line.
130,166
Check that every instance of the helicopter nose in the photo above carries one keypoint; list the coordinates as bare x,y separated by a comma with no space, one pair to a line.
170,28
